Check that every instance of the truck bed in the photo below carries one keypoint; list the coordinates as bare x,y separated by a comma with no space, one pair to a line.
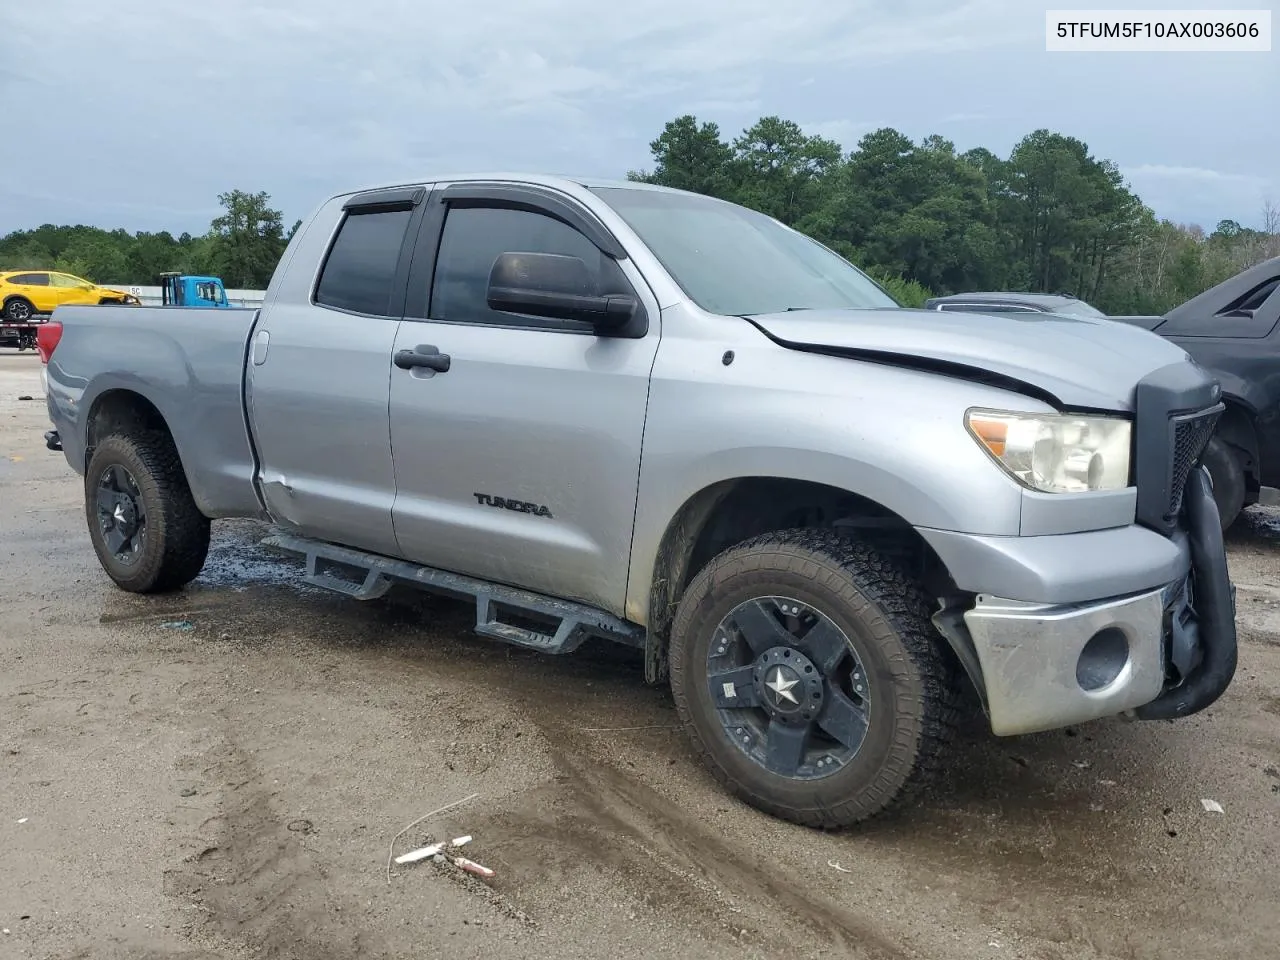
187,362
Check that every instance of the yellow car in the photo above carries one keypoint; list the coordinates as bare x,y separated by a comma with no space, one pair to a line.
27,292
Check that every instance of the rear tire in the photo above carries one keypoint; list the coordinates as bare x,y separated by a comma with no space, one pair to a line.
147,531
1225,468
885,697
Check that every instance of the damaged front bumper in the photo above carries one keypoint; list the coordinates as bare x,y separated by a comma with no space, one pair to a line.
1161,653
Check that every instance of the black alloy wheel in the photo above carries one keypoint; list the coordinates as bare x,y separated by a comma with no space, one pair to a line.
791,692
122,514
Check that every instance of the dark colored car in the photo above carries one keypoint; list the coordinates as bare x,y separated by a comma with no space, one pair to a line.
1233,331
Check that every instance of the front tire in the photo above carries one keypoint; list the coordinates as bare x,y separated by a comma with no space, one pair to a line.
810,679
147,531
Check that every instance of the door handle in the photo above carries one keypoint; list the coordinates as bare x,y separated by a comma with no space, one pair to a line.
422,356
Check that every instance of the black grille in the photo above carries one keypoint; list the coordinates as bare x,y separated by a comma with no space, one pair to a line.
1190,434
1175,410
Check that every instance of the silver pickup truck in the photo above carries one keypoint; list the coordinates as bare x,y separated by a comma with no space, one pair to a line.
612,410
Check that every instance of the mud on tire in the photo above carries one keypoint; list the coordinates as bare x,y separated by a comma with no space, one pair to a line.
146,529
811,617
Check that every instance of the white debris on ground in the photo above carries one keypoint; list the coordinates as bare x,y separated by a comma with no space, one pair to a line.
422,853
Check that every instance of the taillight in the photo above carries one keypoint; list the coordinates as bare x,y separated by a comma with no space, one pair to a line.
47,336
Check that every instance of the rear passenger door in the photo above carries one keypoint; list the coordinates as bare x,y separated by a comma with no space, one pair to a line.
519,462
320,362
35,287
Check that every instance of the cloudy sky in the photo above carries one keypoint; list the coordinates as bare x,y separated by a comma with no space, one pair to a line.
137,113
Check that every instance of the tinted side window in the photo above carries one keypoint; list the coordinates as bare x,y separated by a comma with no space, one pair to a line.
474,237
31,279
359,273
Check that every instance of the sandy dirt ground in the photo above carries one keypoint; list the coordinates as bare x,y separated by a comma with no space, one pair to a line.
218,774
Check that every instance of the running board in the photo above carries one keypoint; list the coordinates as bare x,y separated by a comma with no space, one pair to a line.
368,576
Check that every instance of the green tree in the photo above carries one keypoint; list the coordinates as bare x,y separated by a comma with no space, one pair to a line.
920,212
689,156
908,293
247,239
778,170
101,259
1066,213
151,254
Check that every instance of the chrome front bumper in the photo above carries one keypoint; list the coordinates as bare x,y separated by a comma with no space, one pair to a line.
1046,666
1159,653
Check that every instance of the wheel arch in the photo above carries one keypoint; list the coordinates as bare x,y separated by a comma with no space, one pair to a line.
731,511
9,298
123,411
1238,427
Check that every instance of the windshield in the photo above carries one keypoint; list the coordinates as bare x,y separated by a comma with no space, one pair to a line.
734,261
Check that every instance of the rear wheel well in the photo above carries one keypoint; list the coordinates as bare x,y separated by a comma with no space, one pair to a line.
732,511
121,413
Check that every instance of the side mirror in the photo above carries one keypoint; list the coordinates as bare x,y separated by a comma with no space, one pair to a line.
557,286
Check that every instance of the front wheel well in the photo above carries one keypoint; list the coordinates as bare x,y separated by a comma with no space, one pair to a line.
732,511
121,413
1236,427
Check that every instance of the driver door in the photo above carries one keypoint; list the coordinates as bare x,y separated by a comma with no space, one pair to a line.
519,462
67,289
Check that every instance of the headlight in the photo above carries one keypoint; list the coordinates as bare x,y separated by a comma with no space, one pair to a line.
1056,453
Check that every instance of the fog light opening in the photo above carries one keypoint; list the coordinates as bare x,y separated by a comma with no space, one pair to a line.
1103,659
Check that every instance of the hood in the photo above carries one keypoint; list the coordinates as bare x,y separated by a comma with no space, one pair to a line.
125,295
1080,363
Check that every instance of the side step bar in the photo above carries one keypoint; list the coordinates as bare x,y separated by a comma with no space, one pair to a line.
369,576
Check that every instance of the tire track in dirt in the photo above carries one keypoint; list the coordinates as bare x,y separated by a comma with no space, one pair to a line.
593,814
254,880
